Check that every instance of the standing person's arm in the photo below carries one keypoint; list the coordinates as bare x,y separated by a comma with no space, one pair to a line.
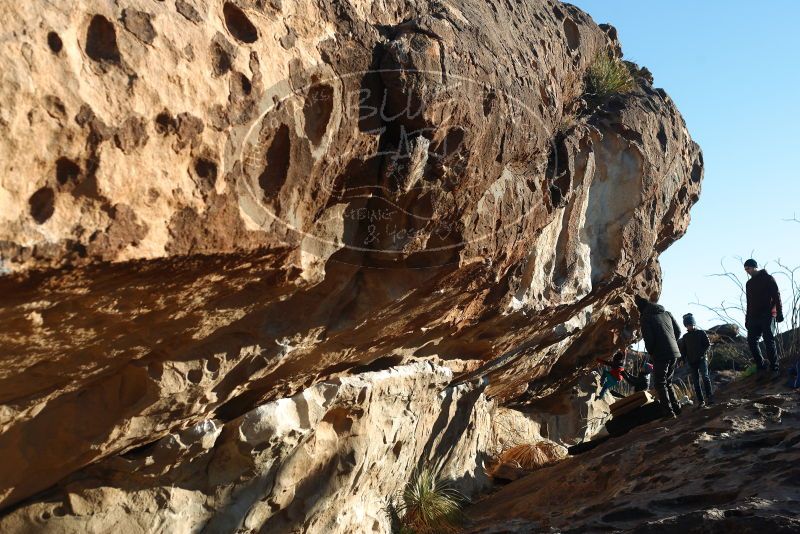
675,327
682,347
747,304
647,336
705,342
775,295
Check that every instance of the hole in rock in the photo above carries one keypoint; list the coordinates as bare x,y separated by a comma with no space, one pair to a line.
697,170
339,419
662,137
450,144
221,60
55,107
240,87
165,123
488,103
212,365
238,24
247,87
381,364
207,170
42,204
573,34
545,97
397,448
369,120
140,451
54,42
617,104
67,171
317,111
274,175
238,405
556,196
335,368
557,168
195,376
101,40
139,24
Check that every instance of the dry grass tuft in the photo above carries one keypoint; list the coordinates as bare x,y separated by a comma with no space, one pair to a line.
607,76
533,455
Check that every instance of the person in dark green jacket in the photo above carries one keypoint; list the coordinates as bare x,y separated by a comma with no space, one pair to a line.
694,346
660,332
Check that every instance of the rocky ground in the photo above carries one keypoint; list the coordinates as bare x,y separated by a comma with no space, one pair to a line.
732,467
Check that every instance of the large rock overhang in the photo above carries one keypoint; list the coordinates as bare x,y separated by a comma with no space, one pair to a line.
366,187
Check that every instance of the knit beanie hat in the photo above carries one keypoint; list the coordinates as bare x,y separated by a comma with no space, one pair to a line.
688,320
751,263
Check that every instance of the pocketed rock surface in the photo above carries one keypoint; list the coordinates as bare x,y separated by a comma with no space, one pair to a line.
208,207
729,468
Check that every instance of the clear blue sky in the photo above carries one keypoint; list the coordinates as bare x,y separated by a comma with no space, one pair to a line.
732,67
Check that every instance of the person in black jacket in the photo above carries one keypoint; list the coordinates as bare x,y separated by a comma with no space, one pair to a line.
661,332
763,311
694,346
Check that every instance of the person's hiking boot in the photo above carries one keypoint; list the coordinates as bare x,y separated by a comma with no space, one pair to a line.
666,412
700,405
677,410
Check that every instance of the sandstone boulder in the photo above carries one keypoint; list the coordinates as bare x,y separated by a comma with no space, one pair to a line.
207,207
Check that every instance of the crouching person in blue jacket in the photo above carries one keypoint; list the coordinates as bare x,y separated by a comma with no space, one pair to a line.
694,349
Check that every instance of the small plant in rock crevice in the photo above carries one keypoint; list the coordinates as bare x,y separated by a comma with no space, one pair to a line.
427,505
607,76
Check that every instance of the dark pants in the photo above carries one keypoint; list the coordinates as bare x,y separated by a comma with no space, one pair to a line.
764,326
662,381
697,373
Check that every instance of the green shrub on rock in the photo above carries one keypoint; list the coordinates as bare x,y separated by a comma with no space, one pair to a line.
427,505
607,76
